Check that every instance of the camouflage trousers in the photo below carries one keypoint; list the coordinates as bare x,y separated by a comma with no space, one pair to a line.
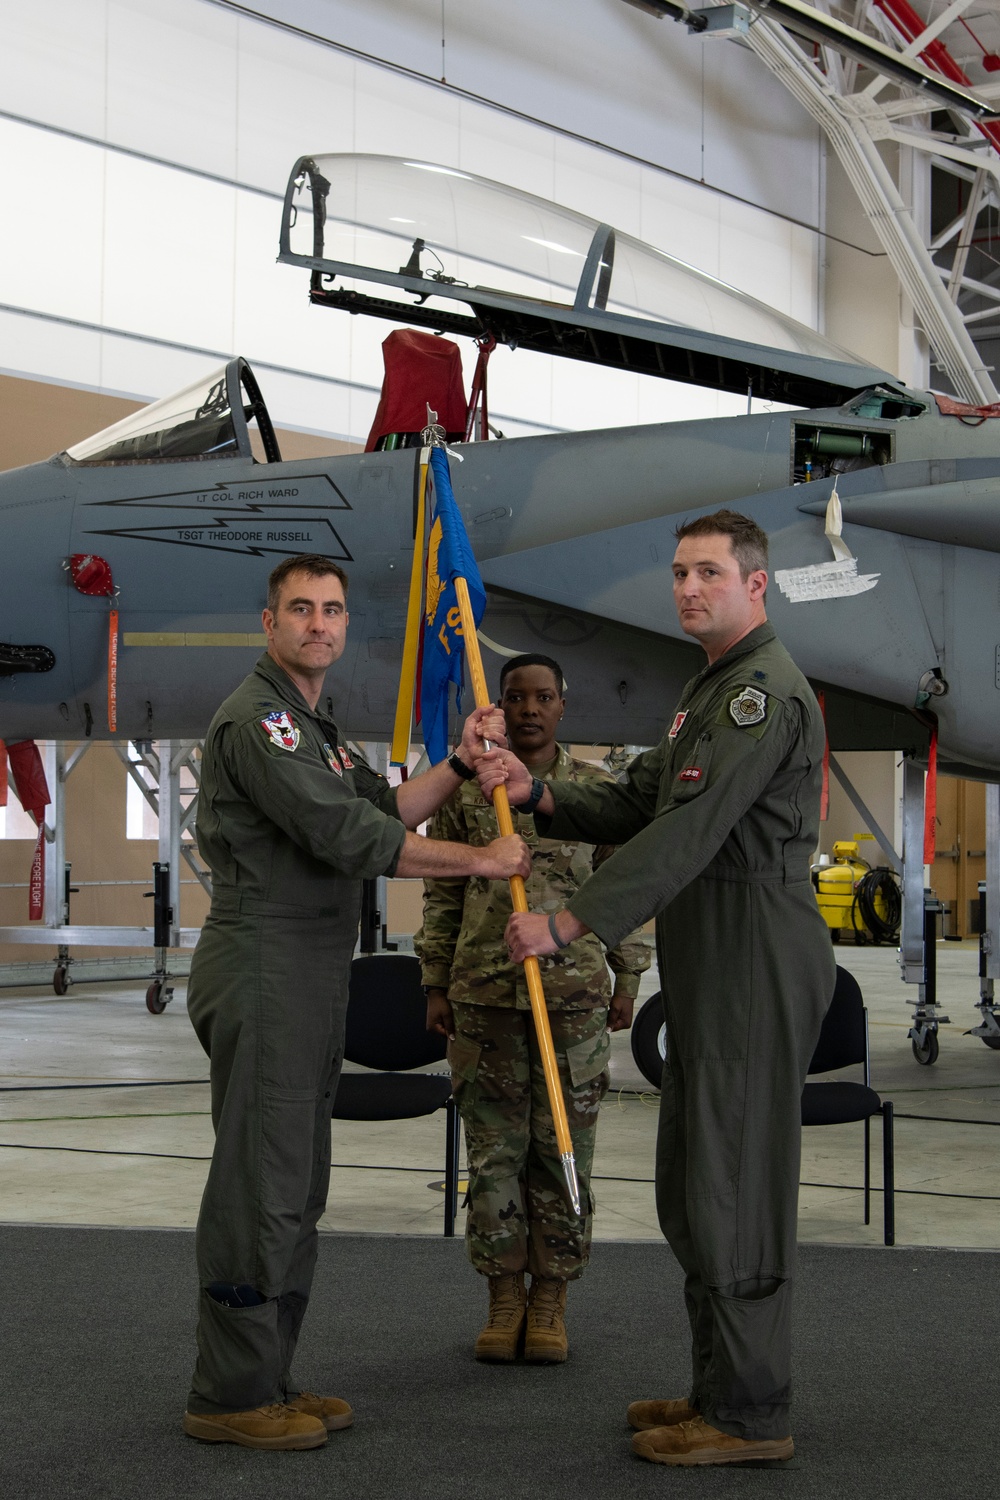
519,1216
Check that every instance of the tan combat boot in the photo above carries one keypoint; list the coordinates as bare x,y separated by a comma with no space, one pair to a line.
274,1426
545,1342
499,1340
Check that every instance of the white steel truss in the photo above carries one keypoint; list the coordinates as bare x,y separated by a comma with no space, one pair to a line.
855,120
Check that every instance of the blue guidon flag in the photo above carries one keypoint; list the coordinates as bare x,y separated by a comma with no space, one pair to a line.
449,556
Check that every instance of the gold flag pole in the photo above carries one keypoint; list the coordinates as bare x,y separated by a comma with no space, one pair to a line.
519,899
403,726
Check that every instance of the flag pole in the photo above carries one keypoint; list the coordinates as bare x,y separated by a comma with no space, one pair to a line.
403,726
519,900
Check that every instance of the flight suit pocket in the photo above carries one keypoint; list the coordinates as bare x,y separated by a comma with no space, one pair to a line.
587,1059
692,773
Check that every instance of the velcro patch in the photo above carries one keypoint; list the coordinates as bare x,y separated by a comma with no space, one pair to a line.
690,773
748,707
677,725
332,759
281,730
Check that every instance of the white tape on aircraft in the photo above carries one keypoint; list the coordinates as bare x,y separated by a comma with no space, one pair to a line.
839,579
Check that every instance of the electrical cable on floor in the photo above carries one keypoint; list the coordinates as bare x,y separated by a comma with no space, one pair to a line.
145,1083
844,1187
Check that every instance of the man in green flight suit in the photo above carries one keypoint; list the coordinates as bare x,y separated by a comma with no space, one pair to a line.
519,1217
289,825
717,826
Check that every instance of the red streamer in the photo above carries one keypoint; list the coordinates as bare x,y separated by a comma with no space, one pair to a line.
3,774
36,884
113,671
930,802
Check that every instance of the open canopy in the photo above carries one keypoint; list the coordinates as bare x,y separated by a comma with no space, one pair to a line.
209,419
543,276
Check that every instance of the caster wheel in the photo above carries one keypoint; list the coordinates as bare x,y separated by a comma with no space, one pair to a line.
993,1042
157,997
60,981
649,1040
927,1054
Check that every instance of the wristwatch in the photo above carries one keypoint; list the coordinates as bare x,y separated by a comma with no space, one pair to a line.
537,793
460,768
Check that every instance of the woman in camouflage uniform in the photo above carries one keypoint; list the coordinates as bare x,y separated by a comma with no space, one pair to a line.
519,1217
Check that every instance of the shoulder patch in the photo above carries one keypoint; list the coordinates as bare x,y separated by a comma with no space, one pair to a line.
281,729
748,706
332,759
677,725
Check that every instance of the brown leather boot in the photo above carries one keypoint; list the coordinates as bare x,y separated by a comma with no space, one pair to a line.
645,1414
498,1342
274,1426
545,1341
698,1442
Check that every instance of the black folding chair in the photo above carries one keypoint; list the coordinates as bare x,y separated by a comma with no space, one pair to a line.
843,1041
385,1030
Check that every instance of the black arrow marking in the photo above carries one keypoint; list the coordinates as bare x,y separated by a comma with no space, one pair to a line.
222,491
215,534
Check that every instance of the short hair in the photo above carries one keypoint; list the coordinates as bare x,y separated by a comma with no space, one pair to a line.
532,659
313,564
746,539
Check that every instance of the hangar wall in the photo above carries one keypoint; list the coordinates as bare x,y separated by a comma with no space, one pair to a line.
144,149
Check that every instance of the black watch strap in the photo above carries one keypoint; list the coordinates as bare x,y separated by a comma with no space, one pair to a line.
537,793
460,768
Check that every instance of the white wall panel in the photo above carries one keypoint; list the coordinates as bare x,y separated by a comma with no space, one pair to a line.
52,351
52,190
396,116
172,75
168,255
603,70
294,99
52,62
505,149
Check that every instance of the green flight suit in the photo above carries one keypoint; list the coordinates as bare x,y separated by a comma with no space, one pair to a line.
717,826
519,1217
289,826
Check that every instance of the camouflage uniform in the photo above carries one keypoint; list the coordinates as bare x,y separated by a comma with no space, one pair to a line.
519,1218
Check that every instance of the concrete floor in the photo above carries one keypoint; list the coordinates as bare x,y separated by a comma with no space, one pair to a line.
138,1156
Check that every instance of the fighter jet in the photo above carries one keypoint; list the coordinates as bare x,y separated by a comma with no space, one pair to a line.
187,504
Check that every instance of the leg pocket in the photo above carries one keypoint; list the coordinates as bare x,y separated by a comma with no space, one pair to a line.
586,1059
463,1060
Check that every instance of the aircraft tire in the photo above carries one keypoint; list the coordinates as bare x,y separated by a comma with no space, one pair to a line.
60,980
648,1039
927,1055
993,1042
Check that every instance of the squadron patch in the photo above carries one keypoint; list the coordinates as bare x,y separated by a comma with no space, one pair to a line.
338,760
677,725
748,707
279,727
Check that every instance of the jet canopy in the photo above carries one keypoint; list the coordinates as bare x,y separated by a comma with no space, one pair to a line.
542,276
210,419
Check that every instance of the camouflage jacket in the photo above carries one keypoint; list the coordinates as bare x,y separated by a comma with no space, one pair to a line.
461,946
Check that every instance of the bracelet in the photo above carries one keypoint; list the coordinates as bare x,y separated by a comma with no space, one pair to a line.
460,768
554,933
537,793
